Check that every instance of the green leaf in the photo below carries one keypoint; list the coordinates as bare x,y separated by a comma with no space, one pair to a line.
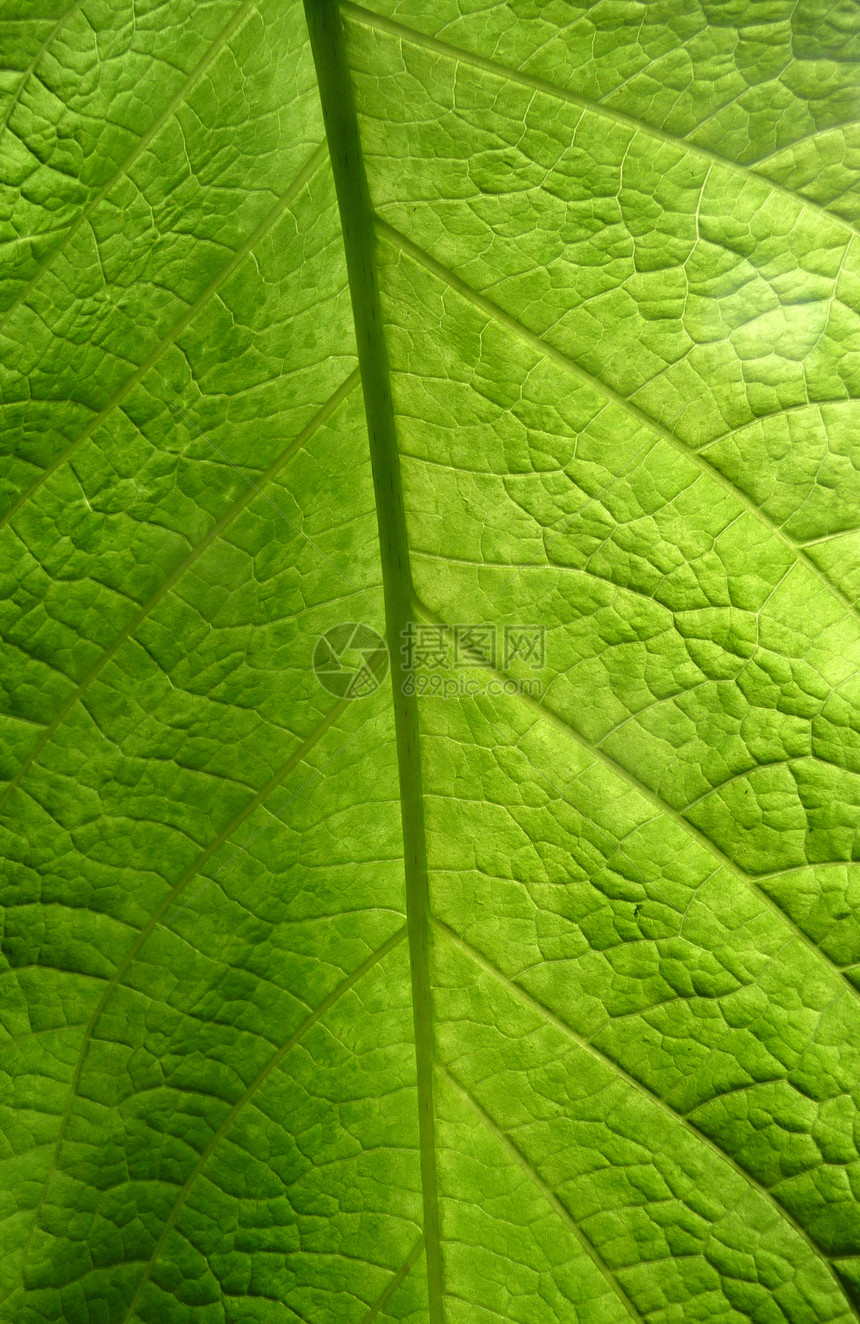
511,973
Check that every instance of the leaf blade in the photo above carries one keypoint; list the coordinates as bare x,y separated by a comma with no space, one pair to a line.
620,1060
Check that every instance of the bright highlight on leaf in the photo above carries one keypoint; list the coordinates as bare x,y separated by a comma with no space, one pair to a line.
429,699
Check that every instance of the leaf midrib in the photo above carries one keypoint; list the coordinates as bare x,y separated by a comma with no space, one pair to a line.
359,243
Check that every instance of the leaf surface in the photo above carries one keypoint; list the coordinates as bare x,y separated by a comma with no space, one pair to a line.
528,992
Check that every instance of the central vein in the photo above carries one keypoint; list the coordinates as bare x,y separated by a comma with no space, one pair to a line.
356,215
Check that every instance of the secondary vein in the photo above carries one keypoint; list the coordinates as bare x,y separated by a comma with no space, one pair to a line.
274,214
253,490
154,920
751,881
34,64
459,55
229,30
600,1055
549,1195
259,1080
492,311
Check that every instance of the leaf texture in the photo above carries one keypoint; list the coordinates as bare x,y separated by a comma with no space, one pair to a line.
535,1005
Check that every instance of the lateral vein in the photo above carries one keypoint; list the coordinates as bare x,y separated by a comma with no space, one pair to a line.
176,330
230,28
259,1080
176,574
34,64
157,915
599,1055
600,756
502,318
274,214
548,1193
535,84
403,1272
